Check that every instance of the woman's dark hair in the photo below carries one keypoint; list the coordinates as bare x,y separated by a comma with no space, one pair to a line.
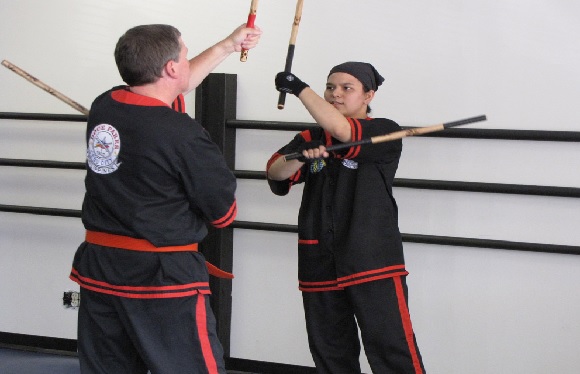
364,72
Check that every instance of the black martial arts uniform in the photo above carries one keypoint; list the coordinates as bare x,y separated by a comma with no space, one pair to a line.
154,180
350,253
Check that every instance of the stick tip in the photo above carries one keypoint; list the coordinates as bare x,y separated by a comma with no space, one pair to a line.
464,121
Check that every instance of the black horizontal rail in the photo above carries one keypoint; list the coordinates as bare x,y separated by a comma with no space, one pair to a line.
279,227
478,133
42,164
41,211
269,125
498,134
430,184
426,184
433,239
501,188
44,117
265,226
491,243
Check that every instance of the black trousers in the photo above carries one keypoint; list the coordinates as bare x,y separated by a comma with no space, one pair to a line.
118,335
379,308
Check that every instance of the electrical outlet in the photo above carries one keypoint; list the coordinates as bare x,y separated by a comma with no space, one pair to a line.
71,299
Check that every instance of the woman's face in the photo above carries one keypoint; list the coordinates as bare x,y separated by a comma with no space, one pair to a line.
346,93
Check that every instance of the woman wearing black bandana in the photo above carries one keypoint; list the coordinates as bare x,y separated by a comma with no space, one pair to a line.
351,266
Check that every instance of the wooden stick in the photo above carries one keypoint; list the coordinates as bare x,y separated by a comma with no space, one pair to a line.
250,23
37,82
291,47
396,135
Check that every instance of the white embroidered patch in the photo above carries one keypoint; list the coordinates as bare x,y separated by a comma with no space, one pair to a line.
103,149
350,164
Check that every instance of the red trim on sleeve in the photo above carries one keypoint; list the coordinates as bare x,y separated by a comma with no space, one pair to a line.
228,218
293,179
327,138
306,135
356,135
296,177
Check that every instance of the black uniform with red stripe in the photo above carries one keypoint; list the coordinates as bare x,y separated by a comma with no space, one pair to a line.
348,230
154,175
349,247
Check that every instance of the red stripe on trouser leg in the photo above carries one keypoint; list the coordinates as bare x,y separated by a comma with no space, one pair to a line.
201,320
407,326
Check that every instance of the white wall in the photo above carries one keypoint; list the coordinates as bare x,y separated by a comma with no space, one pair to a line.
474,310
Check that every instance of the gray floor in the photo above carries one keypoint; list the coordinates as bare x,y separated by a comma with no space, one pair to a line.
17,361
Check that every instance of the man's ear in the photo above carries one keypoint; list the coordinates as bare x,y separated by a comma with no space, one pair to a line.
169,69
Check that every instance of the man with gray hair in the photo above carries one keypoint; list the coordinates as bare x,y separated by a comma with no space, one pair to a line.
154,181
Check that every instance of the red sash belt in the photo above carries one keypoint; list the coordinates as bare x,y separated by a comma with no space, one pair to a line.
133,244
126,242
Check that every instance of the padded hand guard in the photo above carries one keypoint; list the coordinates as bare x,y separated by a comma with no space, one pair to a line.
289,83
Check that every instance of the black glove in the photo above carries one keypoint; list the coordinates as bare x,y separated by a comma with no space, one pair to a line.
289,83
305,146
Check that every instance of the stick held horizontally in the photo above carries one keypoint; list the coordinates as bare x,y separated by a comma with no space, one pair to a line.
396,135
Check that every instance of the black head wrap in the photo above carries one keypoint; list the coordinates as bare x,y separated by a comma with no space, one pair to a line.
363,71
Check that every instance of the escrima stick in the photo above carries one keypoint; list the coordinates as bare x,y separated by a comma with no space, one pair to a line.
396,135
291,47
37,82
250,23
